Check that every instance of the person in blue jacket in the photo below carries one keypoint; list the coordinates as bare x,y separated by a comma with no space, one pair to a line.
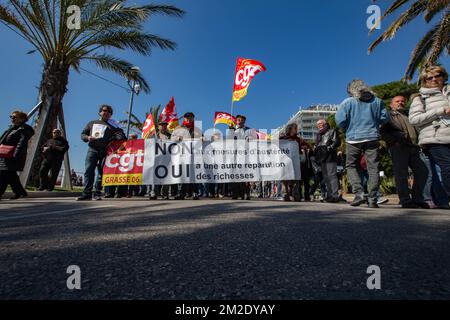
361,116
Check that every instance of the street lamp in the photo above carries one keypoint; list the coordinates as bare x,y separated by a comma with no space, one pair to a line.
135,88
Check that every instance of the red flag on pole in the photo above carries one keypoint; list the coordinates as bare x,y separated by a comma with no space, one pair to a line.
225,118
169,115
149,127
246,69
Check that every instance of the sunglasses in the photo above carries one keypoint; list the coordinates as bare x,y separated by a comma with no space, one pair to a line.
434,77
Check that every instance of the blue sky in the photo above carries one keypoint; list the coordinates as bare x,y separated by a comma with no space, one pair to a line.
311,49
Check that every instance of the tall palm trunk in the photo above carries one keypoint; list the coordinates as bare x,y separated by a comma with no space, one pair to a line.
52,90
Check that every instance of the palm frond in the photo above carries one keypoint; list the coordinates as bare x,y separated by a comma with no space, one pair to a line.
434,7
119,66
416,9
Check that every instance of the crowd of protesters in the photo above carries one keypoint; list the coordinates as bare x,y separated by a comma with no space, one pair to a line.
419,141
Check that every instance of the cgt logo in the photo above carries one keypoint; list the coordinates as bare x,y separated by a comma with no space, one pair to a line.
246,74
126,162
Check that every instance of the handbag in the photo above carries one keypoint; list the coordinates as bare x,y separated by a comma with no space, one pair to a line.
7,151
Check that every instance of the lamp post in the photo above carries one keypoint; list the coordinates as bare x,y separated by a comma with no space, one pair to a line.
135,88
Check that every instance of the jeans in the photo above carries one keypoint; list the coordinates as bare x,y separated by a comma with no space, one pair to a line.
95,159
404,157
434,191
441,156
319,181
354,152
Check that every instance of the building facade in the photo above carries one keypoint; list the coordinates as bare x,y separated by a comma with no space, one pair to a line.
306,119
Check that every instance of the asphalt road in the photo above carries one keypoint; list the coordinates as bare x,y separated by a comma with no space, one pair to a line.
220,249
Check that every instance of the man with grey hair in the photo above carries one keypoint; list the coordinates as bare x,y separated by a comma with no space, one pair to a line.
327,143
361,116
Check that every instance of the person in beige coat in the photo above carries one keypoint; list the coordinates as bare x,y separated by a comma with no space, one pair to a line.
430,114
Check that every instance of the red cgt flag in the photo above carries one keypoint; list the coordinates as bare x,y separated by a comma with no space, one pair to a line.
246,69
225,118
169,115
149,127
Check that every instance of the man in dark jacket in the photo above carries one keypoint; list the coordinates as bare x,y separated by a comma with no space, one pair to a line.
17,136
401,138
53,151
98,134
327,142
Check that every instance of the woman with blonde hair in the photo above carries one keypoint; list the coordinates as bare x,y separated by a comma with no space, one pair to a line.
430,114
13,153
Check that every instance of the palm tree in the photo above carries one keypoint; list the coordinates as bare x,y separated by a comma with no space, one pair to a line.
106,24
435,41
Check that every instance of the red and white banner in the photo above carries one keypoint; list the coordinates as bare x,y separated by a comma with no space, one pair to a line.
124,164
246,69
151,161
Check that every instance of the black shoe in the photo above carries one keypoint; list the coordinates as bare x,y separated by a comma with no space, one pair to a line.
97,198
234,198
153,198
178,197
195,197
357,201
373,205
247,197
166,198
109,196
41,189
84,198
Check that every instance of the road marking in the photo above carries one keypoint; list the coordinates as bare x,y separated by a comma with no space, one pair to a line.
52,212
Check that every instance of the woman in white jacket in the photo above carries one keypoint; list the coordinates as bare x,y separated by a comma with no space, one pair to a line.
430,113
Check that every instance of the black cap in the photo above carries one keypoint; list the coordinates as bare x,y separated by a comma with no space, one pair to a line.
188,114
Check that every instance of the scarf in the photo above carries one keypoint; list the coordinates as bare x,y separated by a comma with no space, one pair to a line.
187,124
321,133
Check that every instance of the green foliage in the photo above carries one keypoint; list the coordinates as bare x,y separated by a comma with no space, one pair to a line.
387,185
389,90
433,44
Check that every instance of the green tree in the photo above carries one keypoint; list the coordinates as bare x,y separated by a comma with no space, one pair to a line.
104,25
433,44
389,90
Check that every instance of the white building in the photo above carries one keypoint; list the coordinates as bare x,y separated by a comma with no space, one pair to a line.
306,119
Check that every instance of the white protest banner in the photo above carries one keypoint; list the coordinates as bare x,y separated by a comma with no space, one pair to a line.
221,161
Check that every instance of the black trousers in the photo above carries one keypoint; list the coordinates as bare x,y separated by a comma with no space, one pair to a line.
10,178
53,166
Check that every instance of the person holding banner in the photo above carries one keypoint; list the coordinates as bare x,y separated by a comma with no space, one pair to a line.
187,131
162,190
98,134
240,132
